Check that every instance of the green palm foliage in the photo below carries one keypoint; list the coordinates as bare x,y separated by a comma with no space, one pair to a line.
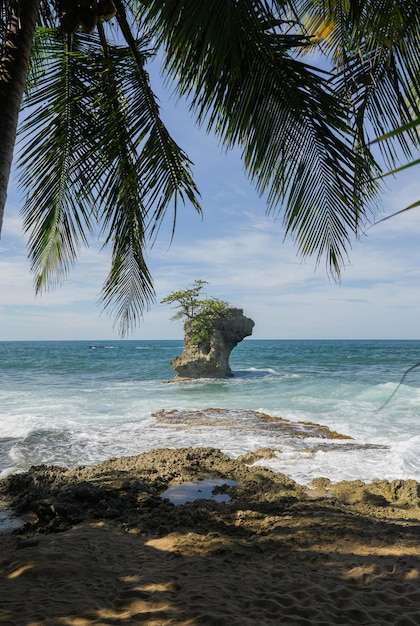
241,70
96,154
398,131
97,158
374,48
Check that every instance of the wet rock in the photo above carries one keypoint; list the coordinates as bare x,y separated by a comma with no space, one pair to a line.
127,492
253,457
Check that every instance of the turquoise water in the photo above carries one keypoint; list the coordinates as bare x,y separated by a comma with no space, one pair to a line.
69,403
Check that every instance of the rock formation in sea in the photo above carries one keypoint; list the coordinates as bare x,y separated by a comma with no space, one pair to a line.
206,355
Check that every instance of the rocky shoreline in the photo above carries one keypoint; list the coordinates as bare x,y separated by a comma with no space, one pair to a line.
101,546
128,490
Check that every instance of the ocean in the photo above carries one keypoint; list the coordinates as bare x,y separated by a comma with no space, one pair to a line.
75,403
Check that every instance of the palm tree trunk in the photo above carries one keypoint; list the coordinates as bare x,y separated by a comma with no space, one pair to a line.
14,61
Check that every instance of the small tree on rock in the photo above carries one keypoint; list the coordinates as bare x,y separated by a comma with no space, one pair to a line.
199,313
212,328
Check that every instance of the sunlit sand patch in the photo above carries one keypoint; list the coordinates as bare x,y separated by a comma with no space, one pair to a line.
194,544
20,570
164,544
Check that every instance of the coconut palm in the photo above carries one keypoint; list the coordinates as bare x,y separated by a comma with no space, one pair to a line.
95,152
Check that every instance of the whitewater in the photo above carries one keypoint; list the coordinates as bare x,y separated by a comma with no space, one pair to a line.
77,403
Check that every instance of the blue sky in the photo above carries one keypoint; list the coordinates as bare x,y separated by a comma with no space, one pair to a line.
241,253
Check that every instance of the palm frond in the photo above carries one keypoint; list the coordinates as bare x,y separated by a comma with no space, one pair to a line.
374,51
141,171
128,289
244,83
96,153
55,133
402,129
164,165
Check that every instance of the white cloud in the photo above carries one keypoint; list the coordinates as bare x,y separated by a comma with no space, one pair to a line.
252,268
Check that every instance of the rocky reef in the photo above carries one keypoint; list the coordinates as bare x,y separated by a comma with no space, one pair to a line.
130,491
206,354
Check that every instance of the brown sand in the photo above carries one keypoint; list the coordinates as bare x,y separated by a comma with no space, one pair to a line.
102,547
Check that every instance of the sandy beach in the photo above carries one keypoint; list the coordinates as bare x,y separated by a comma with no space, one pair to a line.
101,546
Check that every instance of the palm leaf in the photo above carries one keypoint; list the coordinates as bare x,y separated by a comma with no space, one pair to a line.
128,289
374,49
400,130
57,211
141,170
237,65
97,153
